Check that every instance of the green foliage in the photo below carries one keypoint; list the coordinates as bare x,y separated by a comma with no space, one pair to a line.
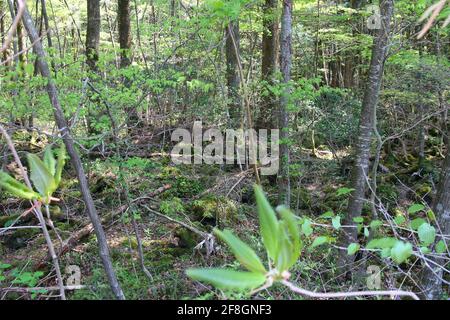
281,239
45,175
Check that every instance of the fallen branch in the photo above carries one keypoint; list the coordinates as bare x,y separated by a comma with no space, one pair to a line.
325,295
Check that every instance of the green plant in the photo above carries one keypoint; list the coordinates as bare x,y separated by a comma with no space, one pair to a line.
281,239
45,175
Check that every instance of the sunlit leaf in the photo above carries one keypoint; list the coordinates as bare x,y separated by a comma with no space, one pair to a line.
401,251
228,279
42,179
353,248
243,253
268,223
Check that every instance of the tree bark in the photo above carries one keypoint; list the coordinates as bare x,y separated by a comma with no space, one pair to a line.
283,116
362,147
233,79
75,158
432,279
123,16
93,33
266,118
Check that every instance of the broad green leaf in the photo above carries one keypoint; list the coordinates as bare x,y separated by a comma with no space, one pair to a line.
60,163
328,214
307,229
358,219
381,243
416,223
343,191
353,248
427,234
375,224
399,220
293,232
42,179
401,251
440,247
4,266
49,160
243,253
268,223
415,208
336,222
285,249
319,241
16,188
228,279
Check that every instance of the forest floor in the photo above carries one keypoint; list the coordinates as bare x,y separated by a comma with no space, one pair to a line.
201,196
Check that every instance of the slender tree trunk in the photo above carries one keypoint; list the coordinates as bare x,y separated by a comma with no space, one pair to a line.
123,17
362,147
432,278
233,79
93,33
283,117
75,158
266,118
2,30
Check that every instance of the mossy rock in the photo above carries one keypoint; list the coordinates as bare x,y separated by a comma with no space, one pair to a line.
423,189
214,210
186,238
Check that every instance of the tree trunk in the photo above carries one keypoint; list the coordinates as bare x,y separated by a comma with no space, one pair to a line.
432,279
266,117
93,33
123,17
362,147
233,79
283,117
75,158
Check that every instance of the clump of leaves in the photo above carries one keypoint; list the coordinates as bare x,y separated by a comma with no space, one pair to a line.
45,175
281,239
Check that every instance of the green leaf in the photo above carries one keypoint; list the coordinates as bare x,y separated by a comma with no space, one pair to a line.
293,233
399,220
228,279
366,232
268,223
415,208
16,188
285,249
375,224
60,163
4,266
401,251
343,191
381,243
440,247
328,214
49,160
42,179
427,234
307,230
319,241
336,221
416,223
358,219
353,248
243,253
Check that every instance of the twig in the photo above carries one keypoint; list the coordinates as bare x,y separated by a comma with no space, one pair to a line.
312,294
